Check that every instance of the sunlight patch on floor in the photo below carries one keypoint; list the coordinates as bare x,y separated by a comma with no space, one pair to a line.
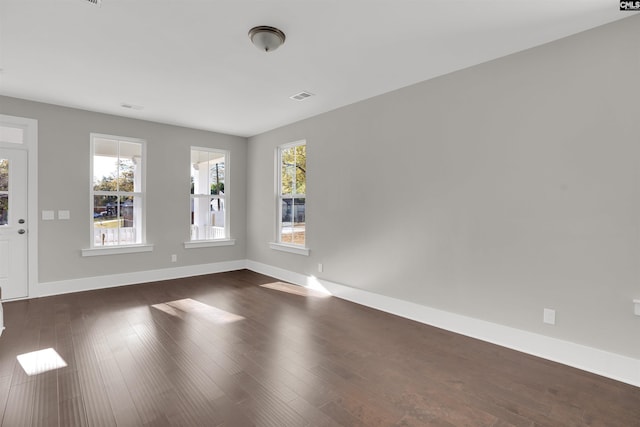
183,307
41,361
297,290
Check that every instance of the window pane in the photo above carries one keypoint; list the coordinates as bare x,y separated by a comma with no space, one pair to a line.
288,171
286,224
105,207
105,169
4,175
216,172
4,208
199,218
126,170
129,220
105,164
12,135
193,178
207,172
217,211
105,220
301,169
4,187
129,166
207,218
298,221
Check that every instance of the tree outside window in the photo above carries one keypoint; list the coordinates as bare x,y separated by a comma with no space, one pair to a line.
117,191
292,160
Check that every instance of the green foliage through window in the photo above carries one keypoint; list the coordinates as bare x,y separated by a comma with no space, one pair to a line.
294,170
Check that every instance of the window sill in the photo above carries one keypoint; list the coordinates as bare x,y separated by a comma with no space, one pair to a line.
209,243
116,250
299,250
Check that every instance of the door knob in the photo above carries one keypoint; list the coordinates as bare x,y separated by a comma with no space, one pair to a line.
21,231
21,221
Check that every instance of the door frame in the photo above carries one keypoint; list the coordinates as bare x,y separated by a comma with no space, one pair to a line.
30,145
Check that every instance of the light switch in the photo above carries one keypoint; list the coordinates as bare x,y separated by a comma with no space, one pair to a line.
64,215
48,215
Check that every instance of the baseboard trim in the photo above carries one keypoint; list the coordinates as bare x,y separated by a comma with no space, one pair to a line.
600,362
607,364
123,279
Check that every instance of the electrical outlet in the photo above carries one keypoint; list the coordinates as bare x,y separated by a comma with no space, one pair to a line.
174,258
549,316
320,267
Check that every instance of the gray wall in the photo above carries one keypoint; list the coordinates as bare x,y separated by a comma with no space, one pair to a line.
492,192
63,157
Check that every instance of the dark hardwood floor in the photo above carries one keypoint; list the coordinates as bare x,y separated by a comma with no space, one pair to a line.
222,350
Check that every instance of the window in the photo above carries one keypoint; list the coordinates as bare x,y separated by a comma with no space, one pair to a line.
209,194
117,191
4,191
292,183
12,134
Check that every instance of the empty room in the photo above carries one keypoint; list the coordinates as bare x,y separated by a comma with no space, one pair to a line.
319,213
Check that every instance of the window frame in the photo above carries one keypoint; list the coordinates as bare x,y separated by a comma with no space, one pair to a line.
119,248
296,248
226,240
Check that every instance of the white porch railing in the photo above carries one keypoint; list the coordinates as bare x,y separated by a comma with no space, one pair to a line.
210,232
109,236
127,235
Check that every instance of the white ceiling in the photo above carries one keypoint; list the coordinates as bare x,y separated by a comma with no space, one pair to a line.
190,62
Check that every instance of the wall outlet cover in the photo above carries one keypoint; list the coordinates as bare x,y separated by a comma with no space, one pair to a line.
48,215
549,316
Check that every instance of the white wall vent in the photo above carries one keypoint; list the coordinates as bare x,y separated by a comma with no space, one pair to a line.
301,96
131,106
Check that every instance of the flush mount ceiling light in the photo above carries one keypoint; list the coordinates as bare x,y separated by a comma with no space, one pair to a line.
266,38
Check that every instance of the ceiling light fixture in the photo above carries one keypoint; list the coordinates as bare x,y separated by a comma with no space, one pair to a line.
266,38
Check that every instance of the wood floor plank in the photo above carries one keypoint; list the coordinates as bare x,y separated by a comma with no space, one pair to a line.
121,401
18,411
222,350
5,386
45,406
264,408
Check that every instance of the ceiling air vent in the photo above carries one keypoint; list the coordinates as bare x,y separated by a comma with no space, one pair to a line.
131,106
96,2
301,96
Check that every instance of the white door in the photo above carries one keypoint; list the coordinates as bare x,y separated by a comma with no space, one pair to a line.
13,223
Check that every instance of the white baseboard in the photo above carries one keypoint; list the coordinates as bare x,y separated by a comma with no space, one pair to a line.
607,364
122,279
611,365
